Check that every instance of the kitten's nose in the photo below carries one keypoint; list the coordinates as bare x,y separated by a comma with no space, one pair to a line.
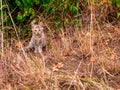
41,27
35,32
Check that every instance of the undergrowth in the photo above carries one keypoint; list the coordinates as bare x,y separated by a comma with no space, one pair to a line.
84,56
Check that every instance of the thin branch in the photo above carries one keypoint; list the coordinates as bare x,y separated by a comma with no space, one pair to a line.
1,30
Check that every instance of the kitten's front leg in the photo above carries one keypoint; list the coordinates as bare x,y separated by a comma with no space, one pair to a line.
38,49
31,44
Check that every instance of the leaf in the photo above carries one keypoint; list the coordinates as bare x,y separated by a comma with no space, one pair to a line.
3,7
25,3
26,12
18,44
19,4
56,67
59,24
28,3
49,10
118,3
113,2
9,22
46,2
6,30
20,17
32,12
37,2
59,65
92,59
73,9
118,14
78,25
24,31
94,1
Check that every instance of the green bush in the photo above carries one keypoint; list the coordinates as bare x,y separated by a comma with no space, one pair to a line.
59,11
117,4
23,11
27,7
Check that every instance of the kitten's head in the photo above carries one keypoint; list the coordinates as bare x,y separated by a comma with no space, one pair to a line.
37,29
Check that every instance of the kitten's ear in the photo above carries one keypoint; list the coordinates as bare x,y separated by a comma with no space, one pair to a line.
32,24
41,24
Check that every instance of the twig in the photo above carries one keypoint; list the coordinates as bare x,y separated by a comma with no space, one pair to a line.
1,31
9,13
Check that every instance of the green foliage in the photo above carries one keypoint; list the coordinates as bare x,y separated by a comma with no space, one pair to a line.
116,2
60,12
19,4
25,9
94,1
46,2
73,9
24,31
118,14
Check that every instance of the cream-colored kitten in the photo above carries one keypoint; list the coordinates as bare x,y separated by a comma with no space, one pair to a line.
38,41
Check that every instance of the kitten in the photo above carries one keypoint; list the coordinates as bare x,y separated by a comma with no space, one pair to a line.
37,41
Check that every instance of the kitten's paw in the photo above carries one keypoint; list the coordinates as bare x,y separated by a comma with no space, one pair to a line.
20,50
36,52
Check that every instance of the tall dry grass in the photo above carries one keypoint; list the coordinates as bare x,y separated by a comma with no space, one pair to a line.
90,58
96,70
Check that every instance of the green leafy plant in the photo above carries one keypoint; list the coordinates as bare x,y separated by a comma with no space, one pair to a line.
26,10
117,4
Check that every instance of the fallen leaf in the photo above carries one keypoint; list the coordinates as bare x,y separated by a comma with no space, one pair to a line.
59,65
56,67
92,59
18,45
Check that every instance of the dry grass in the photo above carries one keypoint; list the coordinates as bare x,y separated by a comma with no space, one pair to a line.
82,69
86,58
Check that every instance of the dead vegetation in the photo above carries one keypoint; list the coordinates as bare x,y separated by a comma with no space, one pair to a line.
86,58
